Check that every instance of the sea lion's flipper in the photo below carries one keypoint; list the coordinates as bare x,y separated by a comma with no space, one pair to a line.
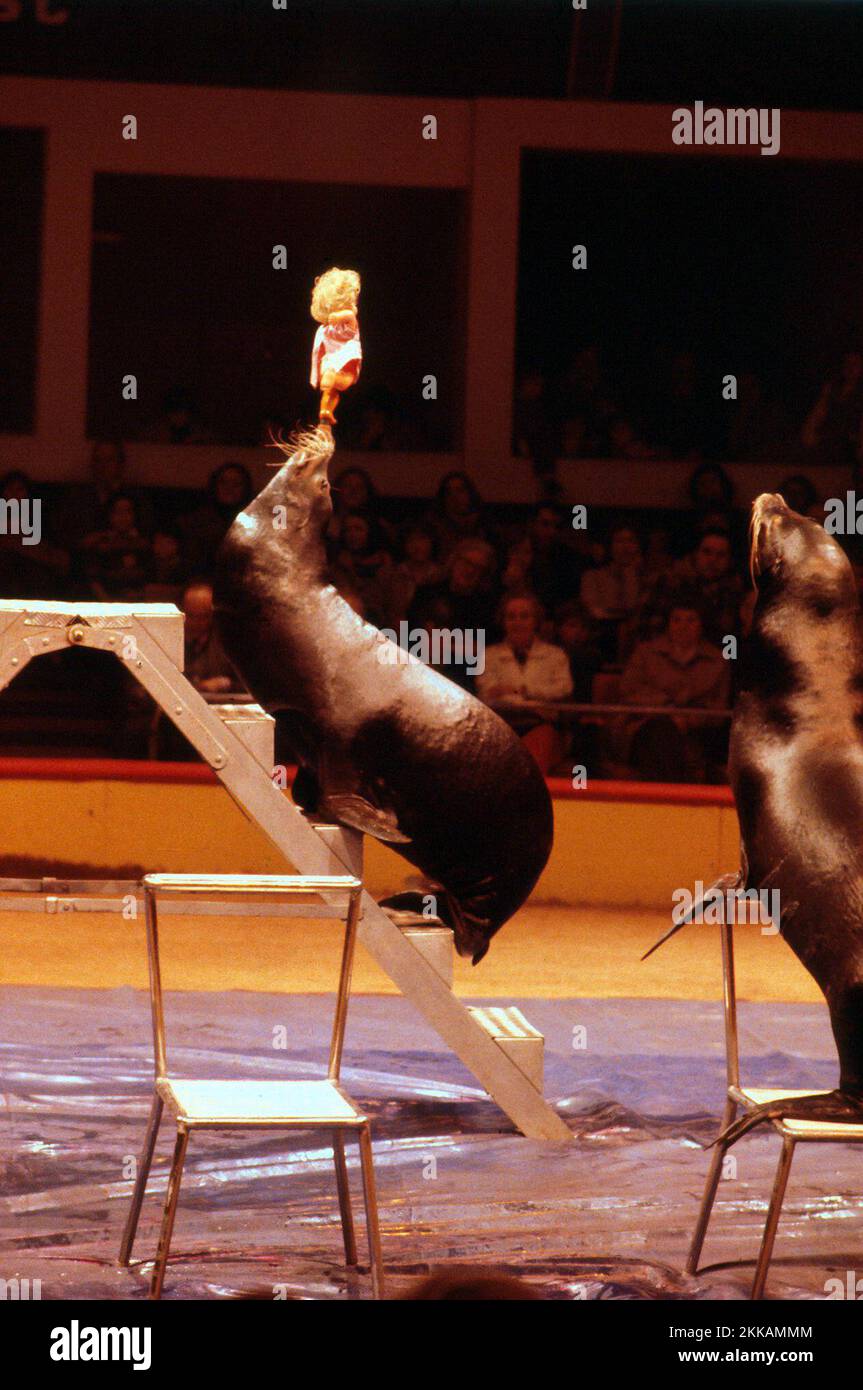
726,884
830,1107
471,936
349,808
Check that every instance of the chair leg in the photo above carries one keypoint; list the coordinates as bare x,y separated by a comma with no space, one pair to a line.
779,1184
371,1203
169,1213
344,1197
714,1173
144,1165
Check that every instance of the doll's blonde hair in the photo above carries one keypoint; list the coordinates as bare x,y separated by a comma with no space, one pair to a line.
335,289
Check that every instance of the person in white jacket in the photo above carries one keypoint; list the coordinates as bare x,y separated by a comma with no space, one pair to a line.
523,668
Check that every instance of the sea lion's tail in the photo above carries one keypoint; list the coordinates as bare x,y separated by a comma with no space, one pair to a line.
726,884
825,1107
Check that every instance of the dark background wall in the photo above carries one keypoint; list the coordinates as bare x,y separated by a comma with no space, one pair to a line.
725,258
185,294
21,165
805,53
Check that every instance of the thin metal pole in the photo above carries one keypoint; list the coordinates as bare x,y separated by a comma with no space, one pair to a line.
156,1003
714,1173
729,993
343,996
144,1165
169,1213
371,1203
344,1197
773,1214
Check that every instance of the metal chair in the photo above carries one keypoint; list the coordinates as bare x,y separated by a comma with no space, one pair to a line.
223,1104
750,1098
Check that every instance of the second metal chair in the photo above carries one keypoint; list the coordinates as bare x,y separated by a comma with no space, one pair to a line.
214,1103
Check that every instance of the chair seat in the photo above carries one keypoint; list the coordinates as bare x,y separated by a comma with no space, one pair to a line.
822,1129
753,1095
259,1102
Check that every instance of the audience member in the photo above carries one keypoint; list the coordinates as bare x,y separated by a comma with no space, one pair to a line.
523,668
468,590
708,573
363,562
116,559
167,568
536,436
417,567
799,492
554,571
31,565
206,664
203,529
179,423
613,594
833,429
457,514
574,634
679,669
84,508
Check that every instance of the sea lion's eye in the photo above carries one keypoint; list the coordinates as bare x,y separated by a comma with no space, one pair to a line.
323,484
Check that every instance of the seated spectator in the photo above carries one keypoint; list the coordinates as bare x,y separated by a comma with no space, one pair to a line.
554,572
833,429
354,491
535,433
586,406
417,567
203,529
799,492
468,589
167,568
116,560
457,514
363,562
179,423
625,441
681,670
85,505
574,634
708,574
519,558
522,668
711,493
613,594
206,664
30,565
378,426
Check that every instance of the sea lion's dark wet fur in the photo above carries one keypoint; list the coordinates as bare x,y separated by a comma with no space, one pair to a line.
395,750
796,767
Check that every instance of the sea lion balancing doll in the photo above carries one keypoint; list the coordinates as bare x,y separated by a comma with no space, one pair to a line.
337,353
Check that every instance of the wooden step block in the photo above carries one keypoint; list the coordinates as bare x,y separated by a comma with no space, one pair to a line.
254,728
521,1042
434,942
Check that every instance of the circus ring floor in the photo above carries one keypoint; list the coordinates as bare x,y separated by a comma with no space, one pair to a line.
634,1061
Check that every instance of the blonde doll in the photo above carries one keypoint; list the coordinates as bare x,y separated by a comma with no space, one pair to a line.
337,354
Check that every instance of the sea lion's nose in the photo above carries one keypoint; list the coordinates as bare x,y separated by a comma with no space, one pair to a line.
771,502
